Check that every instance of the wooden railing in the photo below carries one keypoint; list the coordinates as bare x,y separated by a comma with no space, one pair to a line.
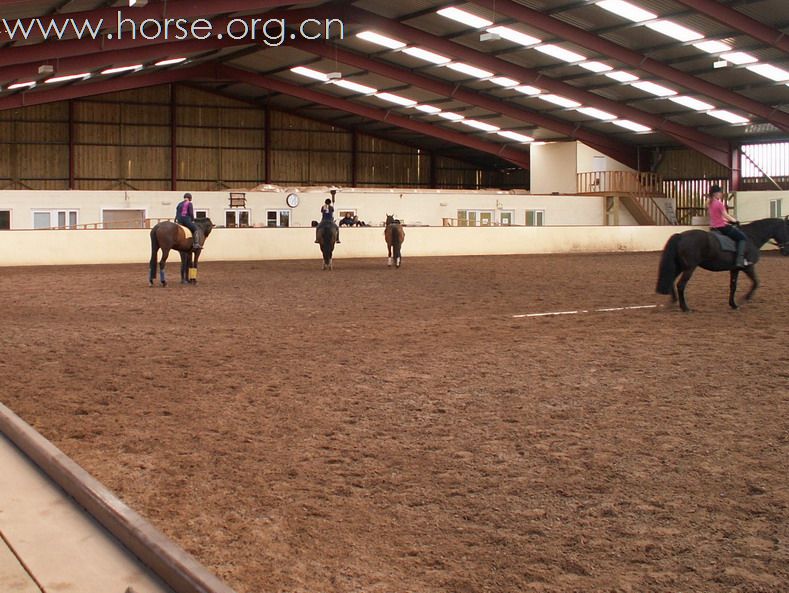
637,189
147,223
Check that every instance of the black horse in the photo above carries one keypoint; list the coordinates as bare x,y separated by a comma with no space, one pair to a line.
169,235
684,252
327,236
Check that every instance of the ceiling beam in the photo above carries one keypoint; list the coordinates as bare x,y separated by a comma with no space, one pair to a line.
517,157
635,59
742,22
715,148
617,150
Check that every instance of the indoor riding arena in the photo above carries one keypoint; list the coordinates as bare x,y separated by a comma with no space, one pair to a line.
351,296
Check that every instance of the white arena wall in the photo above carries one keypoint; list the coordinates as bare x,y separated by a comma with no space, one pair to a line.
68,247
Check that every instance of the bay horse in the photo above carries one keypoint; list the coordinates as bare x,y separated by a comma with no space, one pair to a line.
394,235
327,236
684,252
168,235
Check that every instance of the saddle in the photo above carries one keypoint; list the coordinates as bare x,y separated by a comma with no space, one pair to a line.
726,243
186,230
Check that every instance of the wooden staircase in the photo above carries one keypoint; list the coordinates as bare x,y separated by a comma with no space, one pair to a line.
637,191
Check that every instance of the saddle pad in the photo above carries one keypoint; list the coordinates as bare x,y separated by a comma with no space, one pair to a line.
186,231
727,244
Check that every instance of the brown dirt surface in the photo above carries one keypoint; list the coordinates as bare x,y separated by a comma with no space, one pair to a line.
372,430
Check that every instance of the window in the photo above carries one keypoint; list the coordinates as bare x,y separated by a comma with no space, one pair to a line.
475,217
535,217
47,219
201,213
236,218
761,160
775,208
506,218
278,218
5,220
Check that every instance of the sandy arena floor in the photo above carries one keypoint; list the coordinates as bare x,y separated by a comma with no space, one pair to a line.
378,431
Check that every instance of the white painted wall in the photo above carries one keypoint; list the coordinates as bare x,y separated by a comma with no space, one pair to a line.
585,157
52,247
753,205
553,167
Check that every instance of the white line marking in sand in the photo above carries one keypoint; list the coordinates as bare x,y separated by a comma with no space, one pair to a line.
579,311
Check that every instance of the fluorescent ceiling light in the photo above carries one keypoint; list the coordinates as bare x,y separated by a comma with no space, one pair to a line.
712,47
627,10
122,69
170,62
355,86
469,69
428,109
480,125
310,73
596,113
653,89
426,55
514,36
596,66
67,77
621,76
380,40
406,102
468,19
675,31
450,115
560,53
528,90
557,100
22,85
692,103
728,116
769,71
504,81
515,136
738,57
631,125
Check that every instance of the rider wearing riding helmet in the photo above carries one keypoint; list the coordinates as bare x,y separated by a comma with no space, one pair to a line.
724,223
185,215
327,218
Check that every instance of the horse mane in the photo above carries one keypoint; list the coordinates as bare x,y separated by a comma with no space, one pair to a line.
761,230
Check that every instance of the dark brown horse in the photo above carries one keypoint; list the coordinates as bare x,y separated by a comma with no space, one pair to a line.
327,234
168,235
684,252
394,235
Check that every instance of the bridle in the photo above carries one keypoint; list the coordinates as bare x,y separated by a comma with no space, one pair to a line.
785,244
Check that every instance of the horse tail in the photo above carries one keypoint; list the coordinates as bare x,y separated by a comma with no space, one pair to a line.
669,265
396,240
154,252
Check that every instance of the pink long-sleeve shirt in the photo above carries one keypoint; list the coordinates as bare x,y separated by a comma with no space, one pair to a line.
717,210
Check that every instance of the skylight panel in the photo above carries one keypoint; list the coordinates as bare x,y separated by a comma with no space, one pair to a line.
450,115
514,36
461,16
480,125
738,57
426,55
675,30
712,47
770,71
404,101
626,10
355,86
515,136
170,62
379,39
562,101
728,116
692,103
22,85
469,69
504,81
67,78
596,66
528,90
120,69
560,53
428,109
631,125
653,89
621,76
596,113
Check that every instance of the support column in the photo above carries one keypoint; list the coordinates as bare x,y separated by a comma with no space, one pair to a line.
433,171
71,164
354,160
267,144
735,177
173,139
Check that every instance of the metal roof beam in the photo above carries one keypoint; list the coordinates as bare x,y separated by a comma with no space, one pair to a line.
741,22
583,38
621,152
517,157
715,148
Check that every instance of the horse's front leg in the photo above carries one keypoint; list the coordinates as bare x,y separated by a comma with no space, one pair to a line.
683,282
733,288
184,267
750,271
196,256
162,277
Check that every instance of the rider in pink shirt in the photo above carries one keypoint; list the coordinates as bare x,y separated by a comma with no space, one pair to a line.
724,223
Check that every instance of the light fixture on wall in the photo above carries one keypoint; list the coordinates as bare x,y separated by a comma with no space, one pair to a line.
334,75
490,37
720,64
46,69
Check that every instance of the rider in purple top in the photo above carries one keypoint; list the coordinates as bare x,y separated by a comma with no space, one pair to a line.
185,215
724,223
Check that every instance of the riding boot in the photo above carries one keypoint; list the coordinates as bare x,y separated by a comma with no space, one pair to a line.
740,263
338,236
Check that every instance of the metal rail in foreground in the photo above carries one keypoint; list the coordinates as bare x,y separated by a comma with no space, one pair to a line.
165,558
